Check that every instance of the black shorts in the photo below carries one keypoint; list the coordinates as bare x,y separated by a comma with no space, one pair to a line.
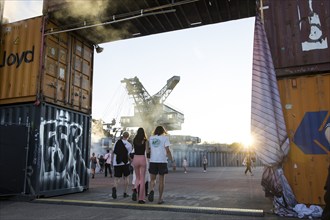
122,170
158,168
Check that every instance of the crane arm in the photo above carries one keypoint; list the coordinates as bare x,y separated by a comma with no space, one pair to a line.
140,95
162,95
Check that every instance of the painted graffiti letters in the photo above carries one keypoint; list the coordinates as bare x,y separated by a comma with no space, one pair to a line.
16,58
60,141
312,135
316,39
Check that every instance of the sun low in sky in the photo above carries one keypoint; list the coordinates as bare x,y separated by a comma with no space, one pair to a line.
214,63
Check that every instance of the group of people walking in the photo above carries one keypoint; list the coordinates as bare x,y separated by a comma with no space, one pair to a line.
185,164
154,152
104,163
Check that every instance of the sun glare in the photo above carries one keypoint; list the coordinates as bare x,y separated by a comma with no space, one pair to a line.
247,143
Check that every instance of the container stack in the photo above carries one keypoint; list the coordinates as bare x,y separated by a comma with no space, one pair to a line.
45,109
299,36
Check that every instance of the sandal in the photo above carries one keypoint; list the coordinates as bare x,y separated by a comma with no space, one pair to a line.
161,202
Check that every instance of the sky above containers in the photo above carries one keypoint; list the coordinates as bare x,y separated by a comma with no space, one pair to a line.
214,63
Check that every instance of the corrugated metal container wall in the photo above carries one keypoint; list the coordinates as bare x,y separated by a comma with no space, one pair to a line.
60,72
58,148
215,158
298,33
306,106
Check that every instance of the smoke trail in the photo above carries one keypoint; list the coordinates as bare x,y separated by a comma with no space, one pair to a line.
89,12
87,9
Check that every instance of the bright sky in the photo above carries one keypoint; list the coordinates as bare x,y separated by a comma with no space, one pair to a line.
214,63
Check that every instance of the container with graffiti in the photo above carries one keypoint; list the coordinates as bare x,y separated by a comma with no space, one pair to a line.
50,153
298,33
306,107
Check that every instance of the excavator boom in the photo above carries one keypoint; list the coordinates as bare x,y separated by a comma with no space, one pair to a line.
162,95
151,110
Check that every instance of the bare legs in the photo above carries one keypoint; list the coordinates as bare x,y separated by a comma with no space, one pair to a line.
115,184
152,181
161,185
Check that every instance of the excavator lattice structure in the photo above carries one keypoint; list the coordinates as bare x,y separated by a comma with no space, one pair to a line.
151,111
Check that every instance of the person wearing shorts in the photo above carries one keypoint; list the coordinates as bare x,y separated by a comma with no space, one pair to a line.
121,164
159,148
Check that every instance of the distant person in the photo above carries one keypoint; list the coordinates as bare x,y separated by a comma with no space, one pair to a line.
108,161
121,163
93,161
140,142
248,164
101,162
185,164
204,163
159,146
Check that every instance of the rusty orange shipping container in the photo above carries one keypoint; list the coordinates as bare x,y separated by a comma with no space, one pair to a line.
306,106
55,68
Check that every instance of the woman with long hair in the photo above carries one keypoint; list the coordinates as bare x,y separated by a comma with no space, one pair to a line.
140,143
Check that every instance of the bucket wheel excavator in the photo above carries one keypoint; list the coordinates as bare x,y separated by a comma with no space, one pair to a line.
150,111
